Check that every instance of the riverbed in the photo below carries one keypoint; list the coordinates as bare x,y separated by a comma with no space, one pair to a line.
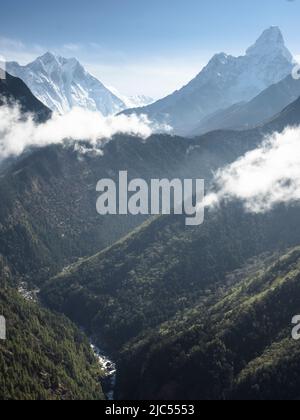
107,365
110,371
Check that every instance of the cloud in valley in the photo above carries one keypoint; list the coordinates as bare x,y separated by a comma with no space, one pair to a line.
265,177
17,133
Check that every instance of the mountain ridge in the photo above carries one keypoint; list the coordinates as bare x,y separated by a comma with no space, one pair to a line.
14,91
53,177
62,84
231,345
224,81
258,111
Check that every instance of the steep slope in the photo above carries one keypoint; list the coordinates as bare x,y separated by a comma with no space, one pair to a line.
289,116
164,267
48,212
62,84
45,357
48,215
14,90
260,109
235,344
225,81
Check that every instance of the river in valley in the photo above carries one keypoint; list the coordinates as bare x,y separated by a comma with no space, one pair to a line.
110,372
107,365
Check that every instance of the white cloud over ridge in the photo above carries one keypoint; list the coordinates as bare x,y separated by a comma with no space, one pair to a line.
261,179
18,133
265,177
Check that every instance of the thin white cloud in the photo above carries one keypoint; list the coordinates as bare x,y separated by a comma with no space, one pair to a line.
152,76
265,177
72,47
15,50
17,134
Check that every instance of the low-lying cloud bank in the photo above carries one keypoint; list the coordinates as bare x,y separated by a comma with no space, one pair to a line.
17,132
261,179
265,177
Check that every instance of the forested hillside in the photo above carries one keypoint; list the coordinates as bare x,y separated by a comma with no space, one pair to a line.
45,356
188,312
48,197
163,268
48,215
234,344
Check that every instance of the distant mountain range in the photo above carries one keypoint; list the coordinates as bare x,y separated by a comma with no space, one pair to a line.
224,82
137,100
188,313
55,169
62,179
62,84
229,93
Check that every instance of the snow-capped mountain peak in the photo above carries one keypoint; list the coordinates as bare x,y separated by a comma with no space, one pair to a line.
270,42
137,101
226,80
48,57
63,83
133,101
52,62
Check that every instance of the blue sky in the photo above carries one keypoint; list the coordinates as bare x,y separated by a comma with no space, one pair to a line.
138,46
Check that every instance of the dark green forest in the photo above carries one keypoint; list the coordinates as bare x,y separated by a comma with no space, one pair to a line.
45,356
233,344
164,267
188,313
197,313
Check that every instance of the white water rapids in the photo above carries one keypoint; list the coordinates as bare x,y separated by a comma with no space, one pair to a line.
110,370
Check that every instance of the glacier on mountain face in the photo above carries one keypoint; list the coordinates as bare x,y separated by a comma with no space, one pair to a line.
62,84
137,101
